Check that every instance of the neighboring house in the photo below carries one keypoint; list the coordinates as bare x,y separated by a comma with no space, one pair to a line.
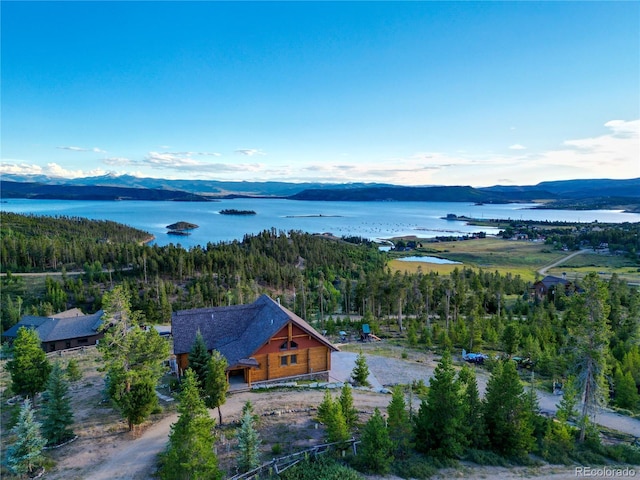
543,288
61,331
261,341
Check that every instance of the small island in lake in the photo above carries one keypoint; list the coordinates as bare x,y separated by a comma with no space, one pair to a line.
181,226
233,211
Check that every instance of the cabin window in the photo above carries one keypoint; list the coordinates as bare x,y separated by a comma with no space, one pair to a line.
283,361
83,340
294,360
68,344
284,346
293,345
52,347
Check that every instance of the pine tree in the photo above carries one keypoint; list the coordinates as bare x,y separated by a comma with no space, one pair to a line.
29,367
506,414
473,422
588,327
25,454
337,430
360,372
346,403
511,339
248,443
375,453
133,358
215,384
190,453
56,410
567,406
445,412
626,391
398,422
199,359
73,371
324,408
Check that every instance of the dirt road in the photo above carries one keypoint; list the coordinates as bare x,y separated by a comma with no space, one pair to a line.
543,270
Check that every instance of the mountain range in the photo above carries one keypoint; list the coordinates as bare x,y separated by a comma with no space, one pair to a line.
570,194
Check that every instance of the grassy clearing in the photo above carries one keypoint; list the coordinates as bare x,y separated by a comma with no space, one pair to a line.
515,257
518,258
604,264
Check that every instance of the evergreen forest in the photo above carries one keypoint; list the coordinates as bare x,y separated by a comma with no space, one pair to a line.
335,284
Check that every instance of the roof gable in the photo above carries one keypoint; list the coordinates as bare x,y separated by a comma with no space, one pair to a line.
237,331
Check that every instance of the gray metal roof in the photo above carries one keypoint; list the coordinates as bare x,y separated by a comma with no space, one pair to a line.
236,331
60,326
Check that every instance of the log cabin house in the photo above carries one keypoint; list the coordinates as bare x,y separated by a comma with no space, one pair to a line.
261,341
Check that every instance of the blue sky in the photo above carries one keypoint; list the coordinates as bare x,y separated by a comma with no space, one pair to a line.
416,93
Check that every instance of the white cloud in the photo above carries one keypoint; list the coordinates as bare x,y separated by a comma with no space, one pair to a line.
250,152
186,163
517,146
51,170
82,149
613,155
55,170
73,149
171,160
20,169
116,161
191,154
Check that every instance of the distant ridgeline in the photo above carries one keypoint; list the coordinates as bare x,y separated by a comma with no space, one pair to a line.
39,191
565,194
568,195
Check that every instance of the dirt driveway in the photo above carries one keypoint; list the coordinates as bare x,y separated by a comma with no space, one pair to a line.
120,455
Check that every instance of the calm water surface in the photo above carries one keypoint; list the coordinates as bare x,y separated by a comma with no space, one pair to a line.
373,220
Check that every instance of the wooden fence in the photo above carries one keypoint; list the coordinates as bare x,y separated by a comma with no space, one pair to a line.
279,465
70,351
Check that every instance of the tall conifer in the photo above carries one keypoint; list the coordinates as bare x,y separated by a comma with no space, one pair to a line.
445,429
199,359
398,422
56,410
346,403
25,455
248,443
376,448
506,412
190,452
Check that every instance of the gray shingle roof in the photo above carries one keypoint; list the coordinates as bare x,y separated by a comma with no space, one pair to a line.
60,326
236,331
550,281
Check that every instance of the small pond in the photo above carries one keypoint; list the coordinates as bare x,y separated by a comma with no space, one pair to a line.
442,261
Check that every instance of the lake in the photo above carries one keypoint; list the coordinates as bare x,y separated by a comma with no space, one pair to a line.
372,220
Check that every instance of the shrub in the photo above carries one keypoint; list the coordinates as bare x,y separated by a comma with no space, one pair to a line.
319,468
624,453
415,466
485,457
